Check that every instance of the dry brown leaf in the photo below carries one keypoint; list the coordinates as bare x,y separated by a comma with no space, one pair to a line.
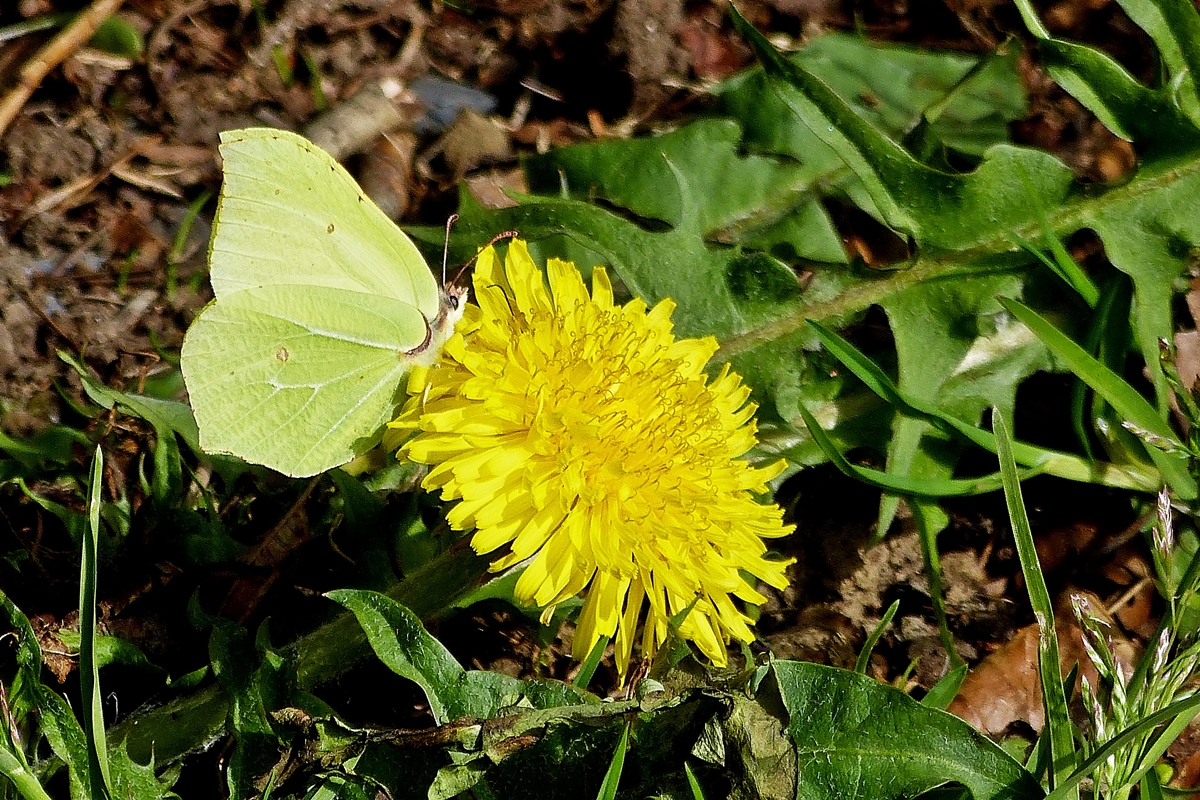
1005,688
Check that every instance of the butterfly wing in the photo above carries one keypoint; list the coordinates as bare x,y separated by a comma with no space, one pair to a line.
297,380
290,214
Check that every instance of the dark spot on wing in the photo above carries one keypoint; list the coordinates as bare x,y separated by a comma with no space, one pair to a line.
330,228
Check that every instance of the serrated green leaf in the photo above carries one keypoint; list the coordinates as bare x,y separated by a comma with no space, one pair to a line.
1174,26
939,209
134,781
256,682
744,195
1126,107
969,100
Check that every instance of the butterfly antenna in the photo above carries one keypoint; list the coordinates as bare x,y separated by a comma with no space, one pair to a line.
498,237
446,247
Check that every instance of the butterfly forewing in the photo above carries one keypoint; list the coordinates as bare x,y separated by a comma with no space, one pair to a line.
290,214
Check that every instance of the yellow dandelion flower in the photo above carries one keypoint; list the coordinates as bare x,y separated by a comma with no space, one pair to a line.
587,439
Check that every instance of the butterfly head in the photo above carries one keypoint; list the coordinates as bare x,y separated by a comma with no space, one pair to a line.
454,303
438,330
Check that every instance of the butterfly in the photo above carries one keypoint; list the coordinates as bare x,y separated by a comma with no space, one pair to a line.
321,305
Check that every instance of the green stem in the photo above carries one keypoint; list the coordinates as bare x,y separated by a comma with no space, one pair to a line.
188,723
1000,253
22,779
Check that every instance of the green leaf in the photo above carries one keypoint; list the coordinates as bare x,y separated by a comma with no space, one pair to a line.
1123,397
14,768
864,655
1146,232
942,693
940,209
900,484
954,353
1059,727
139,781
256,681
1104,87
1174,26
856,738
118,37
746,196
57,722
99,778
1178,710
46,448
322,304
612,778
167,417
969,101
401,642
21,695
110,650
1051,461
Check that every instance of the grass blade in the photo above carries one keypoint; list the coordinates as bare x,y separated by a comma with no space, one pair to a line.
864,655
588,668
693,783
608,789
928,527
15,770
901,484
1052,462
1120,395
1179,708
1054,696
942,693
89,671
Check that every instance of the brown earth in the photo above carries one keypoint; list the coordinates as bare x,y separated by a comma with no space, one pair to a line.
107,155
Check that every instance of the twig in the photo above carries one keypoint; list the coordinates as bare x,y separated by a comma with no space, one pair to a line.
56,51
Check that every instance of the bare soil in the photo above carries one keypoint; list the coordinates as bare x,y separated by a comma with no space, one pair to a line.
106,157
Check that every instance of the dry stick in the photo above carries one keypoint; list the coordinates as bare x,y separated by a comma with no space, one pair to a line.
56,51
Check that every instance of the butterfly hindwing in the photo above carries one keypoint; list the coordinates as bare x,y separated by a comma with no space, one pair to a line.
296,382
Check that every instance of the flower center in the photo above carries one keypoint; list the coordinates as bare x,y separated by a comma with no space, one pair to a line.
629,436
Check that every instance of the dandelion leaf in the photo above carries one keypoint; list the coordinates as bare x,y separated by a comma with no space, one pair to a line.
763,201
855,737
836,129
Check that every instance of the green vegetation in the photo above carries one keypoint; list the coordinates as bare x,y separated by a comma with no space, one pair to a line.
719,217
